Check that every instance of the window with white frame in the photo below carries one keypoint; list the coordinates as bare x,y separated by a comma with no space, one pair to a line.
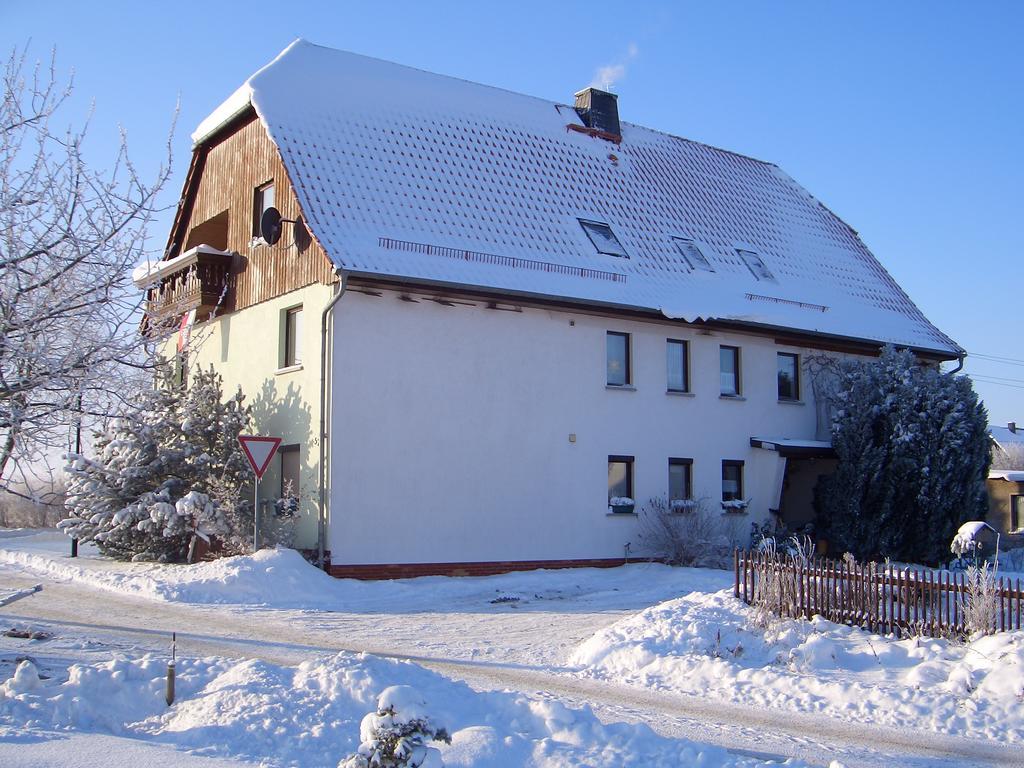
292,337
262,199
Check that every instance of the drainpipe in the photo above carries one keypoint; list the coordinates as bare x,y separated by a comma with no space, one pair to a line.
321,531
959,363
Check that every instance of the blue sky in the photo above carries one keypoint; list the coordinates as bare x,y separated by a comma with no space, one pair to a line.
904,118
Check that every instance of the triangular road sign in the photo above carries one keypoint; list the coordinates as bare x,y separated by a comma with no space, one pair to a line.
259,451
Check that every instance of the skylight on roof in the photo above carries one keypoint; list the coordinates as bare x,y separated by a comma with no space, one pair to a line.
603,238
755,264
692,254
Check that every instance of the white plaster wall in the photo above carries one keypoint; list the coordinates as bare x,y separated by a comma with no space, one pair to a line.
450,430
246,349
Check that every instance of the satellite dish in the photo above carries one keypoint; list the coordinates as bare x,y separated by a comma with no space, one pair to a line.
270,226
302,237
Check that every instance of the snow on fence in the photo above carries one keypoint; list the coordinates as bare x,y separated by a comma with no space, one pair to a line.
879,598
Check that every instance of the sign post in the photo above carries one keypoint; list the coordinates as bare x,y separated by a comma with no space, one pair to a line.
259,451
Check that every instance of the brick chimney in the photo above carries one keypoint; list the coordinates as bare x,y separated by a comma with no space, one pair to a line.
1012,426
599,110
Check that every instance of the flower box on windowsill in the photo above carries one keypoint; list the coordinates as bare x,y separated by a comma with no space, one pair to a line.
682,506
621,505
735,506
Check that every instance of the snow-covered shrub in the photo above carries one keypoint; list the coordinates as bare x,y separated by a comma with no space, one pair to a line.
398,734
980,605
913,457
776,589
772,585
684,534
166,472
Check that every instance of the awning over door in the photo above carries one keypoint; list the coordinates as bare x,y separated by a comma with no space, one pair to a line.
790,448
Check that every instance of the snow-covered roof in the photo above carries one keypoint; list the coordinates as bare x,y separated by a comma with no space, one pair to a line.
403,173
1010,475
1005,436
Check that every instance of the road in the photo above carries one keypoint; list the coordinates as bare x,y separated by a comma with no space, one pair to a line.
515,651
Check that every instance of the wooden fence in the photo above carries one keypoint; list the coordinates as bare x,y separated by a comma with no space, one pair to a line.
879,598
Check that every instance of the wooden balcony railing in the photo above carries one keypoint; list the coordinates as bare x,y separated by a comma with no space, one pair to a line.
197,279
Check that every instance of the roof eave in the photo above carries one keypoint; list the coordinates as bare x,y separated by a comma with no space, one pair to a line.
871,346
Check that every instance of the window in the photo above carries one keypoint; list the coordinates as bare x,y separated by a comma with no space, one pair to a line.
1016,513
692,254
620,477
789,376
618,359
289,455
755,264
603,238
288,498
732,480
262,199
677,353
292,337
680,479
729,368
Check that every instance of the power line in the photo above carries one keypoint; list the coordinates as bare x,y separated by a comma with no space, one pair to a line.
996,378
997,383
996,358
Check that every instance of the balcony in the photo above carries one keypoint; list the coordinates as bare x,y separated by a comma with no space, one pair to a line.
197,279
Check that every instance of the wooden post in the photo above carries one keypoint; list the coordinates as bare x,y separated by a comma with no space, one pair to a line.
1020,599
1002,613
746,558
736,571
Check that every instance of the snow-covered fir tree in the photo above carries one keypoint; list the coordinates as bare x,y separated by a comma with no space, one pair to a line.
164,473
913,457
398,734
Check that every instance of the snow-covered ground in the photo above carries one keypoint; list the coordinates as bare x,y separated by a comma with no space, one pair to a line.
309,715
640,644
708,644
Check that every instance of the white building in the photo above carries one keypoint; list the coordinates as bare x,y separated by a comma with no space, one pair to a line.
529,308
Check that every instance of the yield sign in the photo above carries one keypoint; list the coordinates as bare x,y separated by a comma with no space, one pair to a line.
259,451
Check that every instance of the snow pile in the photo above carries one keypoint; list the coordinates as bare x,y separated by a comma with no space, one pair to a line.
281,578
310,715
708,645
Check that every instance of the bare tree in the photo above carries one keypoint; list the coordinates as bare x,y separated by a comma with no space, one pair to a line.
69,237
1008,456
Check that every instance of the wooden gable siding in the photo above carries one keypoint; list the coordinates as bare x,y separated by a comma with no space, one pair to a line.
234,166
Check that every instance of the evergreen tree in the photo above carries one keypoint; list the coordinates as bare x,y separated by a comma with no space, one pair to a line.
167,471
913,457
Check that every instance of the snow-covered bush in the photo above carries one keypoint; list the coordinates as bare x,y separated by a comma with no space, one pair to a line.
913,457
166,472
684,534
980,605
398,734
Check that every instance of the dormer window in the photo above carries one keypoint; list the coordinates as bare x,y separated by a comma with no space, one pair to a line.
755,264
692,254
603,238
